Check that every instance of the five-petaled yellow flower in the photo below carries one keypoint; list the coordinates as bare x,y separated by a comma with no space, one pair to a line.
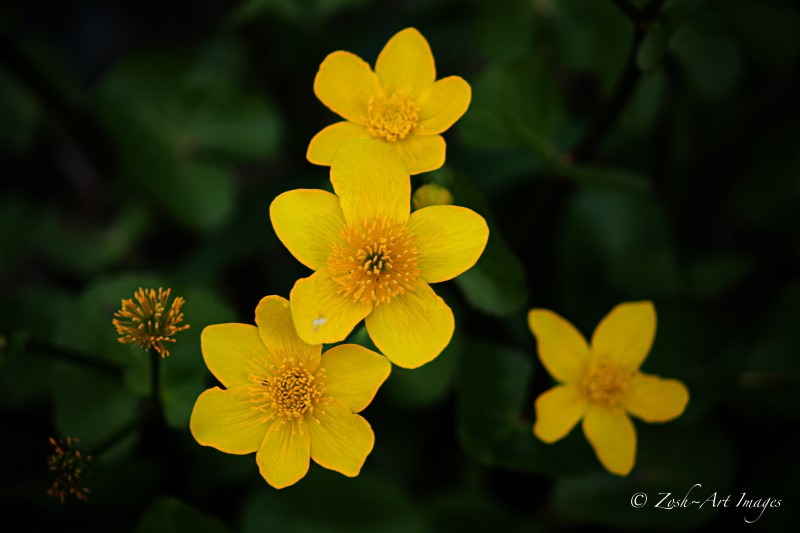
401,103
285,401
601,384
373,260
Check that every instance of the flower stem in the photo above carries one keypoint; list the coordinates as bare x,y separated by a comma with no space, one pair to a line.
155,383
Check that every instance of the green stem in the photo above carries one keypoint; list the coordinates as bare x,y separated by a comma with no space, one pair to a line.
155,383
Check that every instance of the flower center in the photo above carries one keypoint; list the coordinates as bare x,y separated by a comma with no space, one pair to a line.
291,391
377,262
604,383
392,117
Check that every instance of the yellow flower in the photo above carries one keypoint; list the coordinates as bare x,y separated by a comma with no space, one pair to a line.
373,260
431,194
147,322
283,400
601,384
401,103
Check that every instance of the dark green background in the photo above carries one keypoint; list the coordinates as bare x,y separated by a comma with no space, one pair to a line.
618,156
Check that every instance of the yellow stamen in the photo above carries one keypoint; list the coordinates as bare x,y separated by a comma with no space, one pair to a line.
378,261
147,322
392,117
604,383
289,391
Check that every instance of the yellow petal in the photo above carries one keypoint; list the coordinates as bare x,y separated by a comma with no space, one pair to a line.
275,325
341,441
320,313
450,239
325,143
654,399
371,182
562,349
353,374
232,351
421,153
283,457
413,328
345,83
226,420
626,334
442,105
613,437
308,223
557,412
406,64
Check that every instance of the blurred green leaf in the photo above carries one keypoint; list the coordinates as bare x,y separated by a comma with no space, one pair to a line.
325,501
713,275
170,515
89,250
591,37
515,105
494,382
658,36
496,284
711,60
175,126
90,405
506,28
621,238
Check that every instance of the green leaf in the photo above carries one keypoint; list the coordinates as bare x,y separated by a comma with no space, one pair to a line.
618,238
496,284
657,39
170,515
712,61
494,384
177,127
89,405
515,105
20,114
712,276
318,503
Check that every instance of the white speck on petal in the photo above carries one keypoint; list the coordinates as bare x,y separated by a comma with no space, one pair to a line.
316,323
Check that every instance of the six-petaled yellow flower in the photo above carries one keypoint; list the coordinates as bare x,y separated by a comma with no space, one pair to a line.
372,259
400,103
601,384
284,400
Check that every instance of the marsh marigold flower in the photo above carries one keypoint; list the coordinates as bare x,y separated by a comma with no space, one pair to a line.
372,259
147,322
285,401
601,384
400,103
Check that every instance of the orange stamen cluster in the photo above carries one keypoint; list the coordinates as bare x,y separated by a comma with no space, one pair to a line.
378,261
604,383
392,117
147,322
70,466
288,391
